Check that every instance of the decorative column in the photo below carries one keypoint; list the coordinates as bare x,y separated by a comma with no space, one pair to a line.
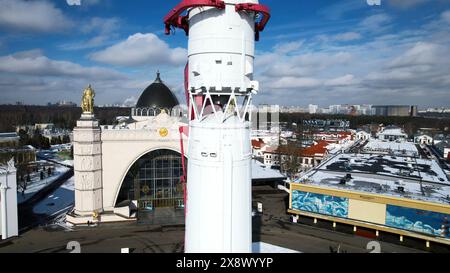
88,161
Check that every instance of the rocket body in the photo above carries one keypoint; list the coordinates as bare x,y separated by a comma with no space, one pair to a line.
218,218
221,48
219,87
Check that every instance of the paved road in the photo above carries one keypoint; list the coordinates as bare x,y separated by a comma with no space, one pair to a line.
278,230
273,227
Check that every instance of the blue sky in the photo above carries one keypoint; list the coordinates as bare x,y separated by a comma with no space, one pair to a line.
312,52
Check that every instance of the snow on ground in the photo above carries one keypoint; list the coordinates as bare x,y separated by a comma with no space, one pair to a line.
67,162
261,247
37,184
60,200
259,171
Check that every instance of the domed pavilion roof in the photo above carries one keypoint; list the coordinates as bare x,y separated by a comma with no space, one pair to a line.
157,95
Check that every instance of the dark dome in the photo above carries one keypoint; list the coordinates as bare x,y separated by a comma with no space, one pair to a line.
157,95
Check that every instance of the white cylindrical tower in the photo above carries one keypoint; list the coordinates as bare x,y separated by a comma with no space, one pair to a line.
219,87
218,217
221,48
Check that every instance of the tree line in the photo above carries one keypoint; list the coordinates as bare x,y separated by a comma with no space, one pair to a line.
12,116
410,124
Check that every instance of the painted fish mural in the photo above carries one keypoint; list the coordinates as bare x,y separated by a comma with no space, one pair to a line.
319,203
416,220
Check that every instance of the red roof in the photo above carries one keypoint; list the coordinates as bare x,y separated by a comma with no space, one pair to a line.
258,144
335,135
319,148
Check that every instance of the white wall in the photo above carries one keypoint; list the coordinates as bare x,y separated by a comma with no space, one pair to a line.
122,148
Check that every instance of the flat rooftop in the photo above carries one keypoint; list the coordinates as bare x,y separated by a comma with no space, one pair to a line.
401,148
421,179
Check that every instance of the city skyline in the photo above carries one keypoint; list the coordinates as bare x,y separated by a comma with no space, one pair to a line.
342,52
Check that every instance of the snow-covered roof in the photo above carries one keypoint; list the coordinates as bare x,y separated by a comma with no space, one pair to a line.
384,175
400,147
392,132
422,135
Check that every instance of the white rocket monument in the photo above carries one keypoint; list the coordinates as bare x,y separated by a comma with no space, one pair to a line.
219,90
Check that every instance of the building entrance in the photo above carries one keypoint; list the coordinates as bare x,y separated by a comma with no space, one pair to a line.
154,182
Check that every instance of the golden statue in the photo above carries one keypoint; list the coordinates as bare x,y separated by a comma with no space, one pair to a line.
87,103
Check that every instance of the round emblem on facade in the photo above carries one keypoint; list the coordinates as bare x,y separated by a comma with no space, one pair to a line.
145,189
163,132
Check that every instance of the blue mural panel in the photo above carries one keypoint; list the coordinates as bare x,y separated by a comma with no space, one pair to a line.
416,220
319,203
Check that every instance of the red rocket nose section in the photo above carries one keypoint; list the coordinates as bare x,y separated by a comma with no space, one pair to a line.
175,18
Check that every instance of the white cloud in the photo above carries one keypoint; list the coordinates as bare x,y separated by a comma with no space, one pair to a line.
446,16
32,16
94,42
293,82
131,101
103,29
300,65
422,53
74,2
141,50
347,36
422,65
83,2
341,37
341,81
411,66
33,78
34,63
101,25
376,23
289,47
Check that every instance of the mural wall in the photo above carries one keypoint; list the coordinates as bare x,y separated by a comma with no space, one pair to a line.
319,203
415,220
418,220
